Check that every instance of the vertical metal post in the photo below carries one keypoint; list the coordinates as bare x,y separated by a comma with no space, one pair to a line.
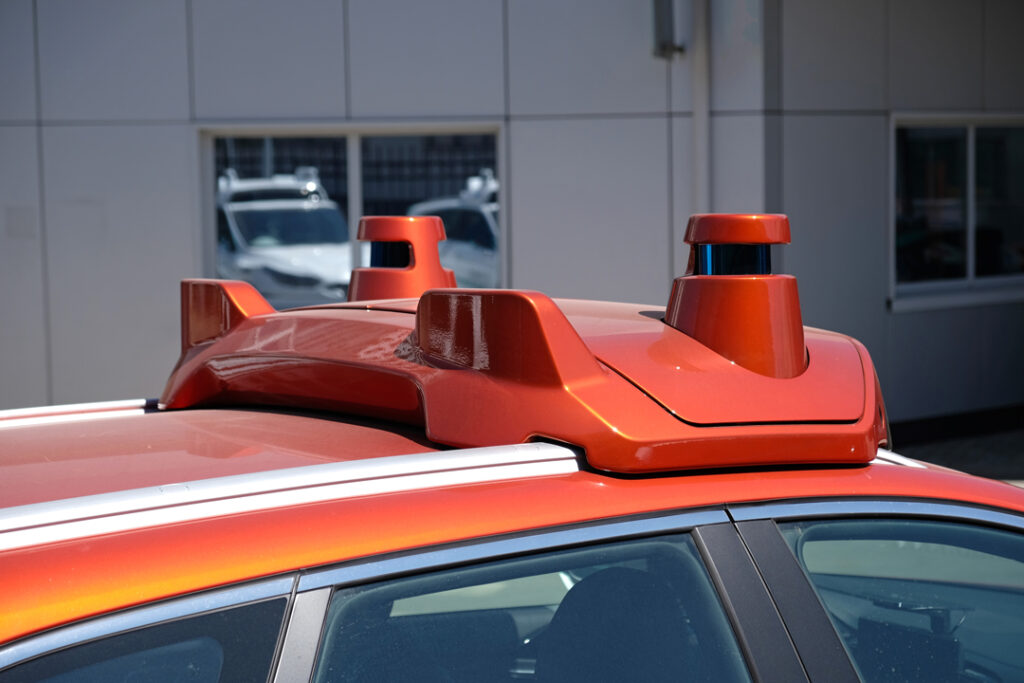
700,63
268,157
971,205
354,157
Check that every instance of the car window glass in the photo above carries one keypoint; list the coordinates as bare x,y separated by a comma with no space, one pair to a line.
477,231
309,225
918,600
224,239
452,220
641,610
465,225
232,645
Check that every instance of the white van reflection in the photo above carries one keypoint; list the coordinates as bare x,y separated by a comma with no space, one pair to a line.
285,236
471,225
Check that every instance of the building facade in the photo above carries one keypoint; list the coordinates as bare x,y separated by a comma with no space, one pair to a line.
111,113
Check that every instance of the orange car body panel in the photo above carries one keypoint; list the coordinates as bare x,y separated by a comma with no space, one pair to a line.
52,584
449,368
737,228
80,458
421,233
490,367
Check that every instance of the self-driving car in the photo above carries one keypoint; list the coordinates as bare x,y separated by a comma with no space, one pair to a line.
438,484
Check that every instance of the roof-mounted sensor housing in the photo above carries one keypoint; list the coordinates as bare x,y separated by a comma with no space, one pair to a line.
407,261
731,302
635,391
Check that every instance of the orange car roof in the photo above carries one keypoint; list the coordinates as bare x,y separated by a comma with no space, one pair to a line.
111,447
234,547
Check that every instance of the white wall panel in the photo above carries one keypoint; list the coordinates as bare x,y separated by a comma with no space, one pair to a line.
584,57
589,214
681,65
113,60
939,371
23,373
835,193
1002,363
17,61
441,58
738,163
265,59
935,54
681,79
833,54
122,231
737,55
1004,54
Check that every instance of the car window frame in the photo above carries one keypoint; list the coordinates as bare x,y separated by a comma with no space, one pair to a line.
759,632
126,621
814,636
774,611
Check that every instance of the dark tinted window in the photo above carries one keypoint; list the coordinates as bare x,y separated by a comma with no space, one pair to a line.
224,238
919,600
273,193
1000,201
465,225
931,203
635,611
233,645
291,226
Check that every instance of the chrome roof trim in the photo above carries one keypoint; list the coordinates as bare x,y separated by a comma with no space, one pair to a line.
127,620
73,412
889,458
529,542
50,522
847,507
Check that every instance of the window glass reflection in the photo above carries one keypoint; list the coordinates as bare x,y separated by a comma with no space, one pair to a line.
999,201
280,218
281,208
931,203
451,176
919,600
633,611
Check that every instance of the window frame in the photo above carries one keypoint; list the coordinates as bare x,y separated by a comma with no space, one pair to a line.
954,292
772,608
353,132
119,623
759,632
791,589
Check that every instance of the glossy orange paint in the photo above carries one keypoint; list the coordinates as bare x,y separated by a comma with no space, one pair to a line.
210,308
682,374
421,233
50,462
753,320
737,228
50,585
491,367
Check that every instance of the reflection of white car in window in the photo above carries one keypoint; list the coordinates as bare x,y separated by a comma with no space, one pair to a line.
471,225
285,236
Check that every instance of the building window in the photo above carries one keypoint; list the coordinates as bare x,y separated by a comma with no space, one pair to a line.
287,207
959,206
